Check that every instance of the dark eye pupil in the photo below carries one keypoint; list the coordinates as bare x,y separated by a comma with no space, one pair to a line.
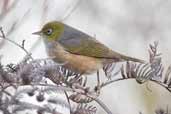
49,31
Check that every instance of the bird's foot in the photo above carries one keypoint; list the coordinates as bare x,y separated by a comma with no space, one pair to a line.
97,89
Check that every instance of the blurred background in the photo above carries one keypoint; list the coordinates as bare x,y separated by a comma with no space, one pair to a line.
125,26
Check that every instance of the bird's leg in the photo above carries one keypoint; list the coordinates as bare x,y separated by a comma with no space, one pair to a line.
98,78
97,87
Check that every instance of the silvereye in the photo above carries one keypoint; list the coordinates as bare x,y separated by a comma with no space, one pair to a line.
80,52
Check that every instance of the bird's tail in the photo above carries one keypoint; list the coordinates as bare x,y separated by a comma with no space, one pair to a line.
132,59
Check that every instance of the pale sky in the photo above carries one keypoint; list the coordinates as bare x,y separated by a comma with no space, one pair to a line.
126,26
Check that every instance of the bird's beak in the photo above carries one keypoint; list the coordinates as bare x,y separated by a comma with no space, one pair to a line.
37,33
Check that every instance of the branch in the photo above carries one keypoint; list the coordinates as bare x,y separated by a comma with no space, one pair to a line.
13,42
107,110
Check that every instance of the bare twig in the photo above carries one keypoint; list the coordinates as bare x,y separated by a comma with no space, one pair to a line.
103,106
13,42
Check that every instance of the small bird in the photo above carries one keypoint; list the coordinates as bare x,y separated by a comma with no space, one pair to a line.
80,52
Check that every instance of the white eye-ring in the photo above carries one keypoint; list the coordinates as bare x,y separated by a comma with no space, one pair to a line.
49,31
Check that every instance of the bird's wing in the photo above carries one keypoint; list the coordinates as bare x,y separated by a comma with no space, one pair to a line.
77,42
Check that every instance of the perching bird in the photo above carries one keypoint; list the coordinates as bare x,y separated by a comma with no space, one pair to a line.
80,52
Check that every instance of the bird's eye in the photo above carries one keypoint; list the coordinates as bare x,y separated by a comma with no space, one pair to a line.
49,31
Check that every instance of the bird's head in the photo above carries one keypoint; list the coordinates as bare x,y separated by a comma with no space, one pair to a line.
51,31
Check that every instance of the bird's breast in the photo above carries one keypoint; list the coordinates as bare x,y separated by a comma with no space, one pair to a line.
76,63
82,64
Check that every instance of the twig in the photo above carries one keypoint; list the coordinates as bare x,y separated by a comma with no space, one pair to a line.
161,84
66,94
103,106
121,79
74,90
13,42
115,80
2,32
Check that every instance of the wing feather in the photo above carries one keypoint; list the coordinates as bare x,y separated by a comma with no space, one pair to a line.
77,42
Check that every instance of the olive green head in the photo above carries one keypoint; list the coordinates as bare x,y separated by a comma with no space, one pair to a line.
51,31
